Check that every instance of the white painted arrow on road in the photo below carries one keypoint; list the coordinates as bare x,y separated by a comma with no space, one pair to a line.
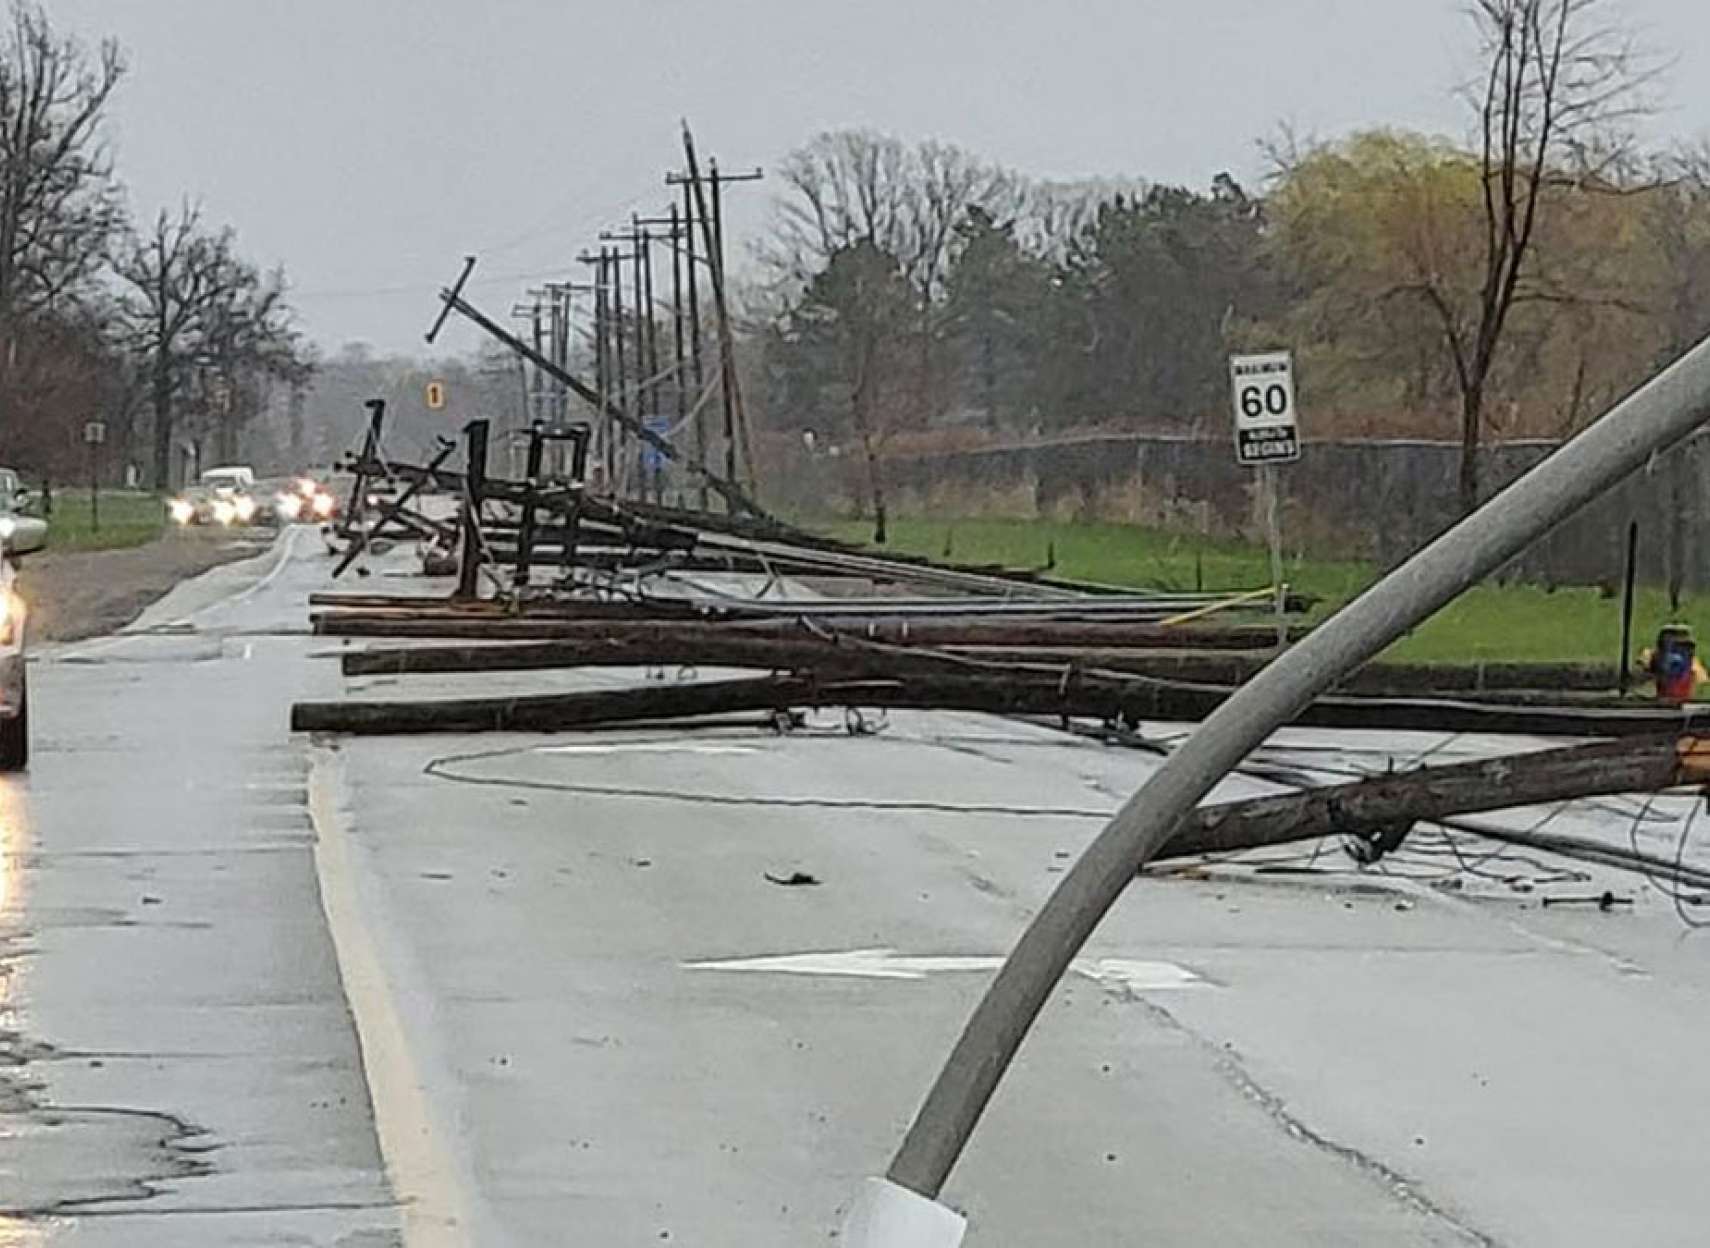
889,964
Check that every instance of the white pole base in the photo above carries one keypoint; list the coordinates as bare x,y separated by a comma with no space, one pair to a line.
888,1216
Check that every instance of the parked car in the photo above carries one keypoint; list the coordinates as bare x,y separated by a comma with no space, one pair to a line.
19,535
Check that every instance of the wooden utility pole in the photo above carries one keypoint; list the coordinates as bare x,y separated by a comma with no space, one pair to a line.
648,376
672,223
712,237
602,359
654,479
677,337
533,378
727,352
644,244
614,258
696,369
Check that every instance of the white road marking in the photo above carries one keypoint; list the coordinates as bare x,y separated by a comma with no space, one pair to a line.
648,747
442,1204
287,549
1142,976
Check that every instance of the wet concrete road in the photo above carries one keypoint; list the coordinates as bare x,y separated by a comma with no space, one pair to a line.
562,956
180,1064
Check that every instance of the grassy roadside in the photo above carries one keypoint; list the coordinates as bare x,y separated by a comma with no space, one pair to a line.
1517,623
127,518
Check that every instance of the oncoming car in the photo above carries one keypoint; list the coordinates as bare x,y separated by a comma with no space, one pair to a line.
305,499
225,496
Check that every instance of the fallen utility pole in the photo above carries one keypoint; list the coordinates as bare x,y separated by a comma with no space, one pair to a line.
1108,698
1132,627
1427,794
372,464
763,537
569,621
452,298
562,501
687,530
717,645
391,513
1362,807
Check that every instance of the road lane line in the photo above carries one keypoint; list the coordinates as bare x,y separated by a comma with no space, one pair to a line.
442,1208
1136,974
287,551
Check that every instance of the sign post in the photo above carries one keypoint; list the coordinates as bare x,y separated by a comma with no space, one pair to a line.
1267,434
94,434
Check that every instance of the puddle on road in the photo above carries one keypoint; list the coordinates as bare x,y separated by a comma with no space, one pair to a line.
54,1160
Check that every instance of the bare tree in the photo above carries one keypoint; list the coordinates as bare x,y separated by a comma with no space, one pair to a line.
853,186
242,339
58,205
1554,76
844,186
177,277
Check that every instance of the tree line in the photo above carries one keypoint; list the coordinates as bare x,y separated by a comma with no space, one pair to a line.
1511,285
161,328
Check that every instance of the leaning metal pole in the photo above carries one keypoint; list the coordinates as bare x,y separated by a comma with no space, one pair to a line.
1664,411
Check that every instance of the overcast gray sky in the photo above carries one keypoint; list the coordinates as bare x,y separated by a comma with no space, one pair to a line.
368,144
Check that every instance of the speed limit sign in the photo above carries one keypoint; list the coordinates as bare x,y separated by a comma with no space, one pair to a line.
1265,428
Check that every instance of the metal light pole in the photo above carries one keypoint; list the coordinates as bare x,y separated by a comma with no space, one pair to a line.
1666,410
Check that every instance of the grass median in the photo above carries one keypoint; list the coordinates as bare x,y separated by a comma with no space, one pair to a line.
1490,622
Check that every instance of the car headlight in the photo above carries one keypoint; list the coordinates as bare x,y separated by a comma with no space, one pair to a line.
324,504
181,510
225,511
11,617
245,507
8,526
290,505
307,487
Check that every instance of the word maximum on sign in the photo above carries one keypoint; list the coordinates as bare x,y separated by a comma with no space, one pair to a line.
1266,431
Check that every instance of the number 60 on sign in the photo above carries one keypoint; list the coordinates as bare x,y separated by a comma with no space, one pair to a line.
1265,428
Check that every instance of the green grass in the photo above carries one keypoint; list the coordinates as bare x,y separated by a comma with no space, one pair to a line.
1517,623
128,518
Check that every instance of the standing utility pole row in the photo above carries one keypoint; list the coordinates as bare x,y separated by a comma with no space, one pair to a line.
659,382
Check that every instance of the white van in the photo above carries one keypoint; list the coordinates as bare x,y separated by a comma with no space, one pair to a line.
236,479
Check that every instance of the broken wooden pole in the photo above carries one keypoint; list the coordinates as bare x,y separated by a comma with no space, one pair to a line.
1425,794
470,554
